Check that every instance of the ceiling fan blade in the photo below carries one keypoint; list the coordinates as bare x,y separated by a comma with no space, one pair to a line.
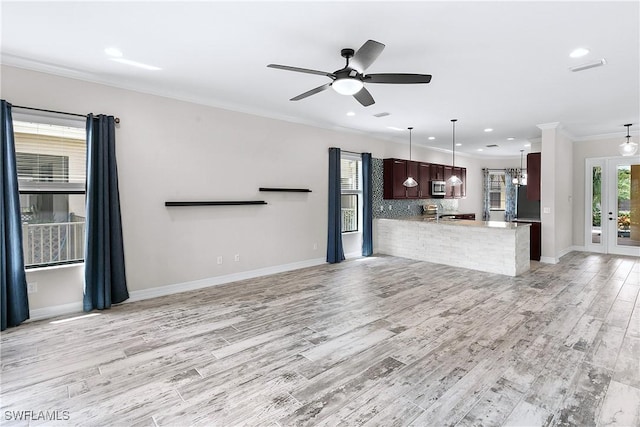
364,97
397,78
301,70
365,56
311,92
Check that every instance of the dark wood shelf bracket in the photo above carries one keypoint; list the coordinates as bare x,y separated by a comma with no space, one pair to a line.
290,190
216,203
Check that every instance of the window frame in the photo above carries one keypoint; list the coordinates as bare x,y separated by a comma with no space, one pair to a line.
502,191
353,192
68,234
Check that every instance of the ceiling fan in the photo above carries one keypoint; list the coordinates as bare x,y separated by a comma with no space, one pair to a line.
350,80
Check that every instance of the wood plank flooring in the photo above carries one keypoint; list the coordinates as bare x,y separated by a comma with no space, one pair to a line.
381,341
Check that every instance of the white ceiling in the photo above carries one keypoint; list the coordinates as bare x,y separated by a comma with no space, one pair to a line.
501,65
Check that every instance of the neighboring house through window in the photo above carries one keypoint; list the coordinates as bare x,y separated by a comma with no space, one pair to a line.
497,191
51,163
351,189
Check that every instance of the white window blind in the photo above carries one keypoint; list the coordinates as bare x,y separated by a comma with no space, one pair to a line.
349,175
50,157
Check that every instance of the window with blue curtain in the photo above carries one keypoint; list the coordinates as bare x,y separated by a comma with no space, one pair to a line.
13,282
335,252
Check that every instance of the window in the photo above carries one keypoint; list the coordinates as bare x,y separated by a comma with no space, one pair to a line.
51,163
351,186
497,191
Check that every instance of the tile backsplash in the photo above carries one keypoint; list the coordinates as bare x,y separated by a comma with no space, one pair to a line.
400,208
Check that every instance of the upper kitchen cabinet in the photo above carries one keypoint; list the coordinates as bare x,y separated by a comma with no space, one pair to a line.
396,172
412,170
424,180
437,172
533,176
457,191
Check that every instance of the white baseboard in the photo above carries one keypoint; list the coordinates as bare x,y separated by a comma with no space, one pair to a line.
219,280
548,260
56,310
353,255
76,307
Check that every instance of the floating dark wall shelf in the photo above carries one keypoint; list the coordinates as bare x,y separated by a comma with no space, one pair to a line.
290,190
217,203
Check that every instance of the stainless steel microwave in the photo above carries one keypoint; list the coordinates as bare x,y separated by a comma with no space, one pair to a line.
438,188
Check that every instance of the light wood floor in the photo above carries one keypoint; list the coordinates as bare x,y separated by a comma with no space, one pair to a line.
380,341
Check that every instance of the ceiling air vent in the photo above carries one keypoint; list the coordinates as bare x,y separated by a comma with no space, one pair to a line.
492,146
381,114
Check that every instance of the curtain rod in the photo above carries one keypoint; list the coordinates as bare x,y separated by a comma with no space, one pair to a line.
116,119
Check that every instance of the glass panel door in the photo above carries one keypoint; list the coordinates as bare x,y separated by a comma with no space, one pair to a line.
596,205
623,207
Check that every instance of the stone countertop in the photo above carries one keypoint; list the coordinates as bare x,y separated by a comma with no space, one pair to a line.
461,222
527,219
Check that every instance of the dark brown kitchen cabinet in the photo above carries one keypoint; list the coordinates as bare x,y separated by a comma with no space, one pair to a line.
535,239
394,174
412,171
424,180
437,172
533,176
457,191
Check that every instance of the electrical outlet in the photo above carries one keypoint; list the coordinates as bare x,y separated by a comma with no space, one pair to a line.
32,287
315,246
381,208
220,260
236,258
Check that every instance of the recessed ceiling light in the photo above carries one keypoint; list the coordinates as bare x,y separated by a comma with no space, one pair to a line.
458,145
579,52
527,145
510,138
394,128
351,113
480,149
488,130
431,138
113,51
136,64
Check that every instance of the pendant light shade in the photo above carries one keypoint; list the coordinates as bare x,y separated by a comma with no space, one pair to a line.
628,148
410,182
454,180
522,178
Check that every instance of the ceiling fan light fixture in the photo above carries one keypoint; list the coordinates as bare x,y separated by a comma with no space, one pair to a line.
628,148
347,86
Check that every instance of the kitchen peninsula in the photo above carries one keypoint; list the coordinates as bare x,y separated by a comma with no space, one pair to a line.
491,246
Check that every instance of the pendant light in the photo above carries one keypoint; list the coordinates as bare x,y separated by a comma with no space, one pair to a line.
410,182
628,148
454,180
522,178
